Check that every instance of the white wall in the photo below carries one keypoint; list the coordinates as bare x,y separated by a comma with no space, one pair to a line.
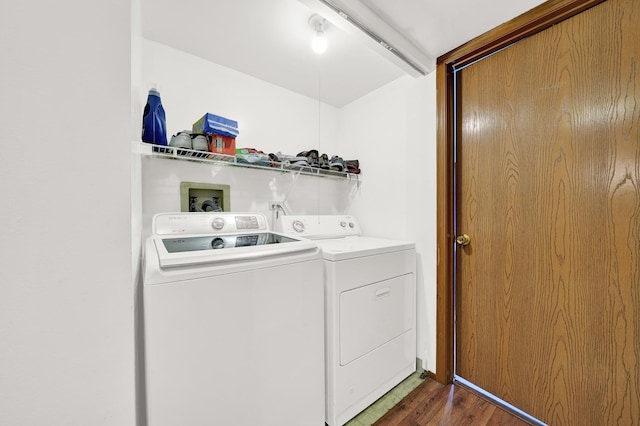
136,206
270,118
251,190
66,303
392,131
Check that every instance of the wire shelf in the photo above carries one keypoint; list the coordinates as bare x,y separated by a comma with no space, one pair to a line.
231,160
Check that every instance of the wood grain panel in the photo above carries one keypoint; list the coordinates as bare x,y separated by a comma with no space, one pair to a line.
444,361
548,292
537,19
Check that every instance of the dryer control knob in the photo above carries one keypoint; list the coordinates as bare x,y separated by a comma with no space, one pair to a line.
298,226
343,224
352,225
217,223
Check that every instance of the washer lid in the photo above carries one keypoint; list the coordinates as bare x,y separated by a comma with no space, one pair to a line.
336,249
211,249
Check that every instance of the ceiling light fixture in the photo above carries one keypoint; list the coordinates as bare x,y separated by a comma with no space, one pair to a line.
319,25
395,45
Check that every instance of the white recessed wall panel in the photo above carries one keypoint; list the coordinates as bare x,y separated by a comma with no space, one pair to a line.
66,296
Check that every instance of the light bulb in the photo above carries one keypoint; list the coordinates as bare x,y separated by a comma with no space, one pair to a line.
319,43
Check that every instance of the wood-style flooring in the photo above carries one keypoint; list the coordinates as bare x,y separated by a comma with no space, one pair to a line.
432,403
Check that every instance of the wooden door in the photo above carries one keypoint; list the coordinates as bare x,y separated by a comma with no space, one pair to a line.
548,189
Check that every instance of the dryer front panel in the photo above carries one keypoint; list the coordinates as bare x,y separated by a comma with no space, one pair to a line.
375,314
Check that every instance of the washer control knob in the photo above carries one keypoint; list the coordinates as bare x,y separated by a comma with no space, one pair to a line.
352,225
217,243
343,224
298,226
217,223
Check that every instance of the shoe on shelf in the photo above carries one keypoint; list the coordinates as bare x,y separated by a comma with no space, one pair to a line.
181,140
293,160
353,166
200,142
274,160
323,161
312,157
336,163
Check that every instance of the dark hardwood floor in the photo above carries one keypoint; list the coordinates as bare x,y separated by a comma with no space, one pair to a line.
432,403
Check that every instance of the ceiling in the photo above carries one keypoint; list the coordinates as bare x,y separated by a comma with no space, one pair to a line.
270,39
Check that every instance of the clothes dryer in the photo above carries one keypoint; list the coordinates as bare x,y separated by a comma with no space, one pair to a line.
370,292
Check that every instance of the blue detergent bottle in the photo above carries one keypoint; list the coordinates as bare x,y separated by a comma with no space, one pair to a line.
154,124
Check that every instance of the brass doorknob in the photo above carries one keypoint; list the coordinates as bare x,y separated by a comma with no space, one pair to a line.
463,240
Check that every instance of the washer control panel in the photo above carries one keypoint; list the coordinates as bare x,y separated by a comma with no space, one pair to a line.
208,223
320,226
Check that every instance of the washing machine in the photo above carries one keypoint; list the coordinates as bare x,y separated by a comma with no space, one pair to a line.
233,323
370,292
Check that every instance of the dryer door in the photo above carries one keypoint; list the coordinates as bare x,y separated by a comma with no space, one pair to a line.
375,314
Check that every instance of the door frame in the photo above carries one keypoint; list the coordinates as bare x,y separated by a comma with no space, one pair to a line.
525,25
